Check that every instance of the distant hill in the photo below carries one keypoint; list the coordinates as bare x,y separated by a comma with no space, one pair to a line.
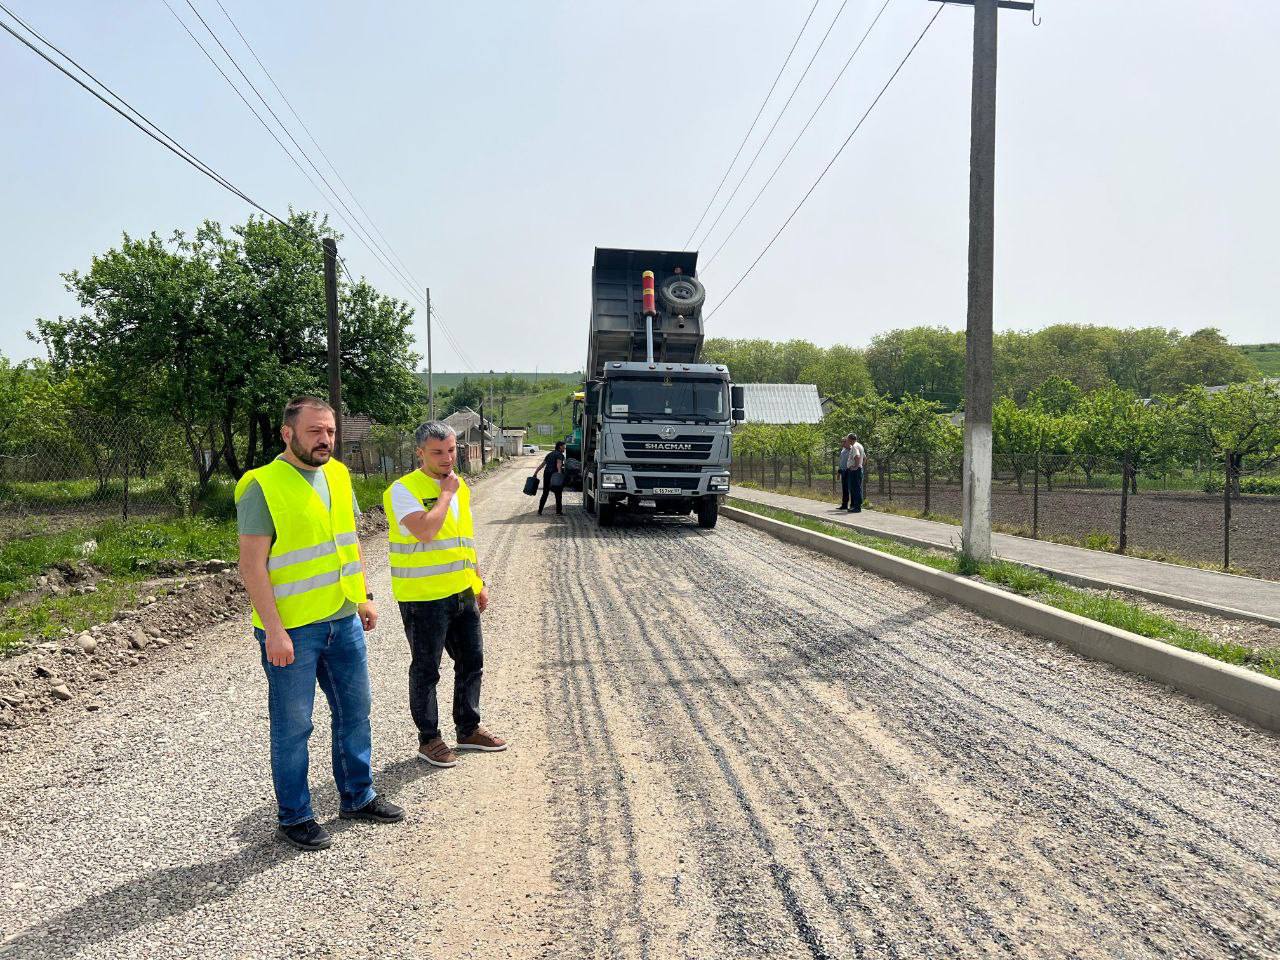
448,381
1265,355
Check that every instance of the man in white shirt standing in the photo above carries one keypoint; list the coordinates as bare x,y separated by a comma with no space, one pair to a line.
435,579
857,459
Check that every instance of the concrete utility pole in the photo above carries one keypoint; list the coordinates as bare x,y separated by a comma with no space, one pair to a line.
431,388
975,531
335,355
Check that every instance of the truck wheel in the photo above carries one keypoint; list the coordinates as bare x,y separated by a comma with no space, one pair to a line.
683,295
605,514
708,513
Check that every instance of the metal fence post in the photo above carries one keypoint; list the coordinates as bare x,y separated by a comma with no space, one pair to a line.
1035,498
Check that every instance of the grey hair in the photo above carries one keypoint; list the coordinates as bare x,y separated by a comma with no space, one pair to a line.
433,430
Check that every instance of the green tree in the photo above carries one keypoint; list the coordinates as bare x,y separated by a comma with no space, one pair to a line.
924,361
214,332
1238,426
839,372
1203,358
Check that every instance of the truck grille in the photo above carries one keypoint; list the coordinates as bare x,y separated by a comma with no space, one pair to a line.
650,446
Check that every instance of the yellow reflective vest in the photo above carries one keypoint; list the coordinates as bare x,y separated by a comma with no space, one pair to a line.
442,567
314,563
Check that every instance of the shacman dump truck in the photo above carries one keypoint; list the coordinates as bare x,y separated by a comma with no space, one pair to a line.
655,422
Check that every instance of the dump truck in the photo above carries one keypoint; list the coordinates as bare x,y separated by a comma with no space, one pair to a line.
655,422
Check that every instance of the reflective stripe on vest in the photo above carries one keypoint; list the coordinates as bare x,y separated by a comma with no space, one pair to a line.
314,564
438,568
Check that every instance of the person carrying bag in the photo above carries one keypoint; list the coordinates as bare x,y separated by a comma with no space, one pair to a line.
552,469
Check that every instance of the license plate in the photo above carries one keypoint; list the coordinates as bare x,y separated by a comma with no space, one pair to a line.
676,490
648,503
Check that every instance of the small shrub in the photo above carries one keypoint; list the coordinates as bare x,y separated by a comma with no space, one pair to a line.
1100,541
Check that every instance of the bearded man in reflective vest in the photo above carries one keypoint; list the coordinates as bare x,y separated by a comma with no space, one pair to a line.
435,578
301,563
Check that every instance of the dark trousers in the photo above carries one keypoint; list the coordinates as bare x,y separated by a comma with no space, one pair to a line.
851,493
547,491
433,626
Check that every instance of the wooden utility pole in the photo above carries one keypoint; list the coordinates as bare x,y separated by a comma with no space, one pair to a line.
431,388
335,353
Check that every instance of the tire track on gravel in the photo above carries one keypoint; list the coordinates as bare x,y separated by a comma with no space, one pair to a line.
798,722
963,691
599,765
715,857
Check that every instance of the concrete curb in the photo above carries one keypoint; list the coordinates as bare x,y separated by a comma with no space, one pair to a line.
1239,691
1066,576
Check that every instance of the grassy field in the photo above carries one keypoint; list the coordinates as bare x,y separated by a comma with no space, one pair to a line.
538,408
1266,356
124,553
447,381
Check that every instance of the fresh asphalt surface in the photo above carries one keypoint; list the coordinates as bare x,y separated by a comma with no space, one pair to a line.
722,746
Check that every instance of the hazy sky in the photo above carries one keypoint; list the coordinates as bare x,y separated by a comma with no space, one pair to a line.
495,144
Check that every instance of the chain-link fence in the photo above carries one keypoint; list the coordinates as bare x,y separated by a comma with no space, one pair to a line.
108,469
1179,512
129,469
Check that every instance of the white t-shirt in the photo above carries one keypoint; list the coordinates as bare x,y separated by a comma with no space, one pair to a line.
404,503
857,456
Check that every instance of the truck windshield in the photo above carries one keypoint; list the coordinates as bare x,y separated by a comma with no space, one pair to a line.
667,397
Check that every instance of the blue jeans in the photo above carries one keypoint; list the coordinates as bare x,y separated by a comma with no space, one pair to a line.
332,653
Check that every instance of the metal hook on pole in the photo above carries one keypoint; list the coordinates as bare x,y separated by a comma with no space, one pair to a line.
1035,20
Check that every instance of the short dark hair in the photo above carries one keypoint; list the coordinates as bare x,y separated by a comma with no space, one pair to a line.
298,404
853,437
559,444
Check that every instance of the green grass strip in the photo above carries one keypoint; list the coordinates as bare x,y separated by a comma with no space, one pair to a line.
1039,586
124,555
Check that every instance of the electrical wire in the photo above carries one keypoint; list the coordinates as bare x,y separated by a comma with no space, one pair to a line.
830,163
747,136
302,123
808,123
776,121
142,122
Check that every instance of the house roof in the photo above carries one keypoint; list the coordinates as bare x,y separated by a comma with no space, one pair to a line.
781,403
467,419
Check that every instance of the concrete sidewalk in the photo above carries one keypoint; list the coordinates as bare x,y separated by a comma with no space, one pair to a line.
1187,587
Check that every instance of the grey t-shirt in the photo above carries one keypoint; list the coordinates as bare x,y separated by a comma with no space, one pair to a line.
253,517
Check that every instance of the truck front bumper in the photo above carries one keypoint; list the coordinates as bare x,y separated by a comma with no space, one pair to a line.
624,482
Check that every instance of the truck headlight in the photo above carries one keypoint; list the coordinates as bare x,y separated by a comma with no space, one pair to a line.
719,483
611,480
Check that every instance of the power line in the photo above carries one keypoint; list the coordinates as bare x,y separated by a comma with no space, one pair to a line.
776,121
803,129
754,121
831,162
402,271
302,123
359,235
143,123
292,139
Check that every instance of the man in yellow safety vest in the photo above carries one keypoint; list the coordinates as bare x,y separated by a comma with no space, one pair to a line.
436,581
301,564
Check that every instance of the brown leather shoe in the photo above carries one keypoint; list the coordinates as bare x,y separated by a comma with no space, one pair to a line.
437,753
482,739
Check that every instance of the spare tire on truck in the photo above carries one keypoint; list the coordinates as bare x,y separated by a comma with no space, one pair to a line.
682,295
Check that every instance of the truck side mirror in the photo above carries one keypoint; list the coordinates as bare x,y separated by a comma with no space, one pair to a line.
737,403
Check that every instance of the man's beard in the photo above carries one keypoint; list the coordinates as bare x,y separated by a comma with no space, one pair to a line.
310,457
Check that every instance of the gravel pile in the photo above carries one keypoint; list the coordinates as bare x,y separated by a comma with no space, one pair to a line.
76,671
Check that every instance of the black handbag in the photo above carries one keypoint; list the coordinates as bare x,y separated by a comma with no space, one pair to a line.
531,486
557,480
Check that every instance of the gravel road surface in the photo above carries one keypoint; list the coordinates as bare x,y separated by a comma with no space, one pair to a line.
722,746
